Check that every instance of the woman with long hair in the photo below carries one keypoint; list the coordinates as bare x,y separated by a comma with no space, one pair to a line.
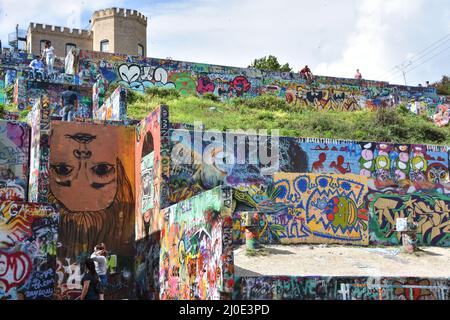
91,283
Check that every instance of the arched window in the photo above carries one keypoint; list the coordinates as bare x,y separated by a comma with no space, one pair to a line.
140,50
104,46
70,46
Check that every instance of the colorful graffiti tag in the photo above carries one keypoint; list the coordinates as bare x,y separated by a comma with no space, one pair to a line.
430,211
28,241
14,157
340,288
193,254
114,107
324,93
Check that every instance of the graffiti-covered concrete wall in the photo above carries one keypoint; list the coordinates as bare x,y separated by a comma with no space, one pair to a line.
87,171
14,160
340,288
28,92
151,171
196,250
39,118
321,208
389,176
114,108
325,93
151,174
28,241
93,185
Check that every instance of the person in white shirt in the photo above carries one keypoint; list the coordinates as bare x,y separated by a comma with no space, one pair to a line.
49,54
101,263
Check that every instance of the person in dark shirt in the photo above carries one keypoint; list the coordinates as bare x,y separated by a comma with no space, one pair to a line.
91,283
69,102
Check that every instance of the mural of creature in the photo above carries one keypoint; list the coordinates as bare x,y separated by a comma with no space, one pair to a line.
90,184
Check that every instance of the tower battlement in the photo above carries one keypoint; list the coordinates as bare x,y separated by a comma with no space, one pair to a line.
120,12
36,27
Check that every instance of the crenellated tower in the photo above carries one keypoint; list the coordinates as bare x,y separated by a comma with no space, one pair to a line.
120,31
113,30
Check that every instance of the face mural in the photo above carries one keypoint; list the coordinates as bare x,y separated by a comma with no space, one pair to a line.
88,169
89,180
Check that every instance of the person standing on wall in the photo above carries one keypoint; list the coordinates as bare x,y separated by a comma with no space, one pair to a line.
101,264
358,77
69,103
49,54
92,288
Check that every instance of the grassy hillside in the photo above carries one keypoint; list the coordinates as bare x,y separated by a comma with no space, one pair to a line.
267,112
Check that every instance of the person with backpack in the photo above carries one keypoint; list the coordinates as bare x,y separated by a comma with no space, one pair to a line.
92,289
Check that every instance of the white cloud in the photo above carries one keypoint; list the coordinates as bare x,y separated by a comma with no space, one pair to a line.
334,37
65,13
390,33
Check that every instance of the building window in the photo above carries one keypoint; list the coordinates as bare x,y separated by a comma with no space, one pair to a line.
70,46
42,48
104,46
140,50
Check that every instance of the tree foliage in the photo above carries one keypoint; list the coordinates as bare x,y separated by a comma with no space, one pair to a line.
270,63
443,86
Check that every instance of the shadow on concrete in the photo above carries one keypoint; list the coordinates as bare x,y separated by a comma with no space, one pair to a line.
424,252
272,251
241,272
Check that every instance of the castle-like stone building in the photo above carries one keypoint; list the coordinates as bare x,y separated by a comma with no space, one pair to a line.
113,30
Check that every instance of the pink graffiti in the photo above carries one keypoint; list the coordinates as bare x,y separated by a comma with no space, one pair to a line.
240,84
205,85
14,269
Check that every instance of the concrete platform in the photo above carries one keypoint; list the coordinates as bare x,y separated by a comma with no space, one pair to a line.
338,261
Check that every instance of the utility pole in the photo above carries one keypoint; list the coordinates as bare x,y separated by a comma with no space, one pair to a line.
17,37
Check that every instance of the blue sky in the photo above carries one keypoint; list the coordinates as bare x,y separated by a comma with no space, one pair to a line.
334,37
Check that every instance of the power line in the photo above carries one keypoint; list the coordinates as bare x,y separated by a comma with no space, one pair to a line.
431,58
418,56
406,70
438,42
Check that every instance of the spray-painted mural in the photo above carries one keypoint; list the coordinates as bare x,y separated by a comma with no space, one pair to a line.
114,108
93,185
14,160
40,152
28,241
340,288
325,93
429,211
194,259
321,208
30,92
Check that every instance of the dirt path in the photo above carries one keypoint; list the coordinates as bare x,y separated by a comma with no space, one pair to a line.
306,260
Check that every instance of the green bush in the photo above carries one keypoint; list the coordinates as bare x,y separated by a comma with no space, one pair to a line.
266,102
211,96
166,93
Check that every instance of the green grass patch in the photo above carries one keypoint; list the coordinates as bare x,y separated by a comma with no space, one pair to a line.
268,112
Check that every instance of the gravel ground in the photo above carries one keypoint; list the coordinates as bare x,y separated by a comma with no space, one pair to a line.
323,260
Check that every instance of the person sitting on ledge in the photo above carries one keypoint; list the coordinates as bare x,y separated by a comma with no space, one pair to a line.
37,65
306,73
